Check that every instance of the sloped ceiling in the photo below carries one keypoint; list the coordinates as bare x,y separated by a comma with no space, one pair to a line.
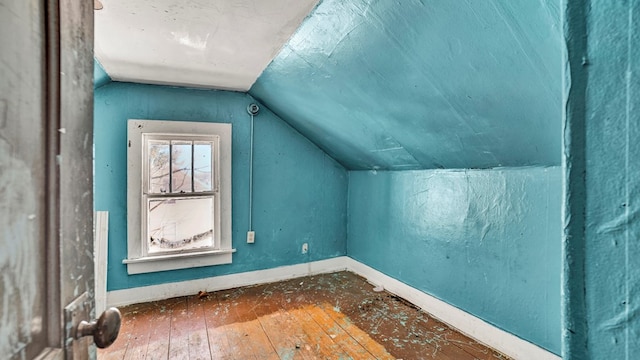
377,84
223,44
424,84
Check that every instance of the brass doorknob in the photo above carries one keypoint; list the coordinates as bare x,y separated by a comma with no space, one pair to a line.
104,330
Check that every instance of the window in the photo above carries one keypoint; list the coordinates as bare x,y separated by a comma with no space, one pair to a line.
179,195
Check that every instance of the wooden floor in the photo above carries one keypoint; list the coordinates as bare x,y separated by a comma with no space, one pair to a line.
332,316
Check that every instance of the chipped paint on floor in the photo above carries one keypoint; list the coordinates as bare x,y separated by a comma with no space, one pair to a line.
331,316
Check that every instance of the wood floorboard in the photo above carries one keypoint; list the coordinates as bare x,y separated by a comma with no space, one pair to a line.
158,347
135,343
269,314
218,339
225,317
139,339
378,351
179,333
331,316
252,336
324,343
198,338
350,346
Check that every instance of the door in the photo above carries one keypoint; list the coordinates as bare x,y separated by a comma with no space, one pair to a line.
46,181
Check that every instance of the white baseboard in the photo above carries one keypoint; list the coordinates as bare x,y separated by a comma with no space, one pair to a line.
466,323
223,282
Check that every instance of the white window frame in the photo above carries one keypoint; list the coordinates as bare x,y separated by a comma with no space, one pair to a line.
138,260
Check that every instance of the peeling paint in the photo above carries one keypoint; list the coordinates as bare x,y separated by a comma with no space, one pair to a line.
625,317
3,113
19,242
36,325
620,222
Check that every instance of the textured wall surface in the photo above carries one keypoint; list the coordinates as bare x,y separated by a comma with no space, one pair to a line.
299,192
100,77
601,248
398,86
486,241
424,84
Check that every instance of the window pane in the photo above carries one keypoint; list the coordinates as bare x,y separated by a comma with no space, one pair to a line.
180,224
180,166
202,166
158,166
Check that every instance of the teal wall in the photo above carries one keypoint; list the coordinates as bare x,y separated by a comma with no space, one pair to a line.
424,84
100,77
299,192
602,151
485,241
415,86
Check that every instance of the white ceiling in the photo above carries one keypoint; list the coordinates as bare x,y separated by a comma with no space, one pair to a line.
222,44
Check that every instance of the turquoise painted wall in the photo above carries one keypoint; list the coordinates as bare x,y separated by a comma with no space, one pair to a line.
299,195
442,85
602,228
424,84
485,241
100,77
380,85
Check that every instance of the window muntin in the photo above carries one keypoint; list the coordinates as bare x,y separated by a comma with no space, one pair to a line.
181,169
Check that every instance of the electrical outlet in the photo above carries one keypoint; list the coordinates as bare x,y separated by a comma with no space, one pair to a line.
305,248
251,237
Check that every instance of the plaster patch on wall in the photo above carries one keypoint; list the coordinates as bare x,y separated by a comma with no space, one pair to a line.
447,208
18,268
622,319
620,222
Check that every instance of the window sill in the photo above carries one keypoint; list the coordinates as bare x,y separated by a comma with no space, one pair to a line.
178,261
